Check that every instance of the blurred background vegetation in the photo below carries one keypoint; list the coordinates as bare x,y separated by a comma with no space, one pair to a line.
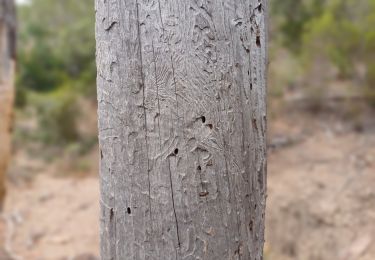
56,74
330,40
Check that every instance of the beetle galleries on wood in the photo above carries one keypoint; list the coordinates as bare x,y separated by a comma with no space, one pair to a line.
182,128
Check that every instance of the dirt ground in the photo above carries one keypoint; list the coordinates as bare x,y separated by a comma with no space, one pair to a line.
321,192
321,198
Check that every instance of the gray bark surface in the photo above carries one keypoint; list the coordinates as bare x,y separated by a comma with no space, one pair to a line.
7,69
182,128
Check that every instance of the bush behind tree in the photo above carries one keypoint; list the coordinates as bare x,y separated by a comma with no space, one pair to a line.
336,34
56,64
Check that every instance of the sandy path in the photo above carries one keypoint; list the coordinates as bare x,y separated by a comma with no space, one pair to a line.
53,218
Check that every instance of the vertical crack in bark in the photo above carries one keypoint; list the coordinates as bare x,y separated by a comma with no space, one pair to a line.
173,203
157,93
145,113
226,148
161,17
221,201
231,191
177,112
174,83
113,211
203,193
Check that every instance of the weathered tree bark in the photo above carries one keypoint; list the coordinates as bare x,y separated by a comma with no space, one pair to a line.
182,128
7,69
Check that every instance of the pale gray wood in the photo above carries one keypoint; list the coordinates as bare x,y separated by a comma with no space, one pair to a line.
182,128
7,69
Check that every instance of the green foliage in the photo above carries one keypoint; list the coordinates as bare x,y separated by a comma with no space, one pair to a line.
56,65
334,35
57,114
57,45
40,69
294,17
370,57
344,35
20,97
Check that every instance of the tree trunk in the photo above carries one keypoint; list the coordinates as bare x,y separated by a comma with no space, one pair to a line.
7,69
182,128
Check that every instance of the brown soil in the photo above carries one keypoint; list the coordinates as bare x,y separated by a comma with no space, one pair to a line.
53,218
321,192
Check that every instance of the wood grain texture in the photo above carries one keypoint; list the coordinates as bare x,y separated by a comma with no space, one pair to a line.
7,69
182,128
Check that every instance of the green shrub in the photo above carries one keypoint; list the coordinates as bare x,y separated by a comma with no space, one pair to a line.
370,86
370,59
57,115
343,35
295,15
56,45
56,65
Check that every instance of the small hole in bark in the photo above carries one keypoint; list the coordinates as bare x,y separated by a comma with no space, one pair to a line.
260,8
203,119
254,124
199,168
247,50
239,23
176,151
129,211
210,126
251,86
101,154
203,193
258,41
